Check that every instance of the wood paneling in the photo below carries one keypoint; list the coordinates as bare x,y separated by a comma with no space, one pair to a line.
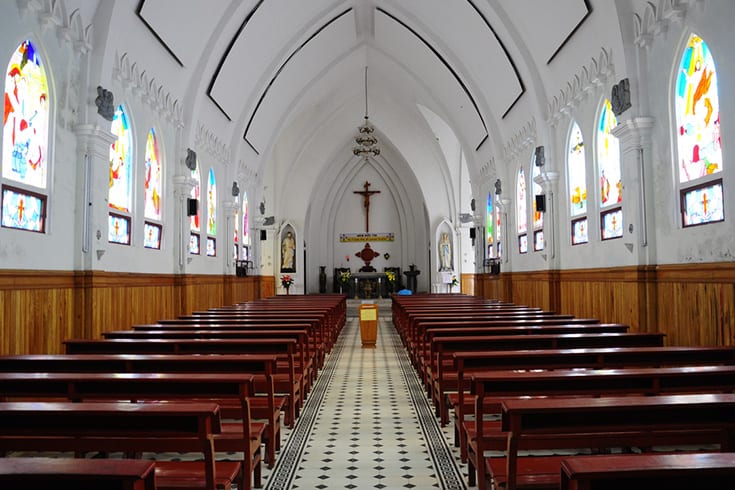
693,304
40,309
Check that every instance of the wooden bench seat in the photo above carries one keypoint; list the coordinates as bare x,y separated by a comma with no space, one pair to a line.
244,436
127,428
596,423
711,471
288,383
264,405
470,362
76,473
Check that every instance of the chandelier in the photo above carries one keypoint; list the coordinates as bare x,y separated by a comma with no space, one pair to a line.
367,143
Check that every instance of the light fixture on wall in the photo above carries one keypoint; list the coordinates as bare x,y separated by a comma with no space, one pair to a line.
367,143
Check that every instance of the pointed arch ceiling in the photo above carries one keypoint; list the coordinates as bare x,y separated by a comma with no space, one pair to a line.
460,49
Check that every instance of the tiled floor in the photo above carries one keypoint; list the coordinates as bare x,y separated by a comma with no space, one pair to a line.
367,424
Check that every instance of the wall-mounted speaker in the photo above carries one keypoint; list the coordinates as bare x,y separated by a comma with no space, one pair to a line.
192,206
540,160
263,235
541,203
472,233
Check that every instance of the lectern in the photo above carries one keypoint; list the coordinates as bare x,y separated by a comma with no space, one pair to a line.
368,325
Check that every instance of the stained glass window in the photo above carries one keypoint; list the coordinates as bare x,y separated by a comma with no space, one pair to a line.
577,172
538,216
211,247
211,204
521,202
245,219
523,243
698,135
703,204
490,219
608,158
579,231
195,192
538,240
121,168
499,230
26,118
612,224
22,210
152,236
194,244
119,229
697,113
153,177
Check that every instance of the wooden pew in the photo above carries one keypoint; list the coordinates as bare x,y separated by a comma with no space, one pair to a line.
244,436
471,362
494,389
264,405
76,473
605,422
289,383
713,471
97,427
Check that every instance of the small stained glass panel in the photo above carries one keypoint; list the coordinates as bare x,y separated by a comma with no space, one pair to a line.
152,238
119,229
612,224
703,204
194,244
523,243
211,247
22,210
579,231
538,240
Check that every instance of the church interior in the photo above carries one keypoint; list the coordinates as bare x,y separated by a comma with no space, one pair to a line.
164,158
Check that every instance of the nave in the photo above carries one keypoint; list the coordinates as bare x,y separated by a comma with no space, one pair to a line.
367,424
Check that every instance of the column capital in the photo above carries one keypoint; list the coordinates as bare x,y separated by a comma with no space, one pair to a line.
183,184
634,133
94,139
547,180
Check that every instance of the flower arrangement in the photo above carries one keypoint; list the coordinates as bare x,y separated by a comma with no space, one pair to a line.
454,281
286,281
391,276
344,277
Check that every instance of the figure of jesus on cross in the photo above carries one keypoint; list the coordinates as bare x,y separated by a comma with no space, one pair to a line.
366,203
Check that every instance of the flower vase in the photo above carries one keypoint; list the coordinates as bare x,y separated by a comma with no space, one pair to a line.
288,288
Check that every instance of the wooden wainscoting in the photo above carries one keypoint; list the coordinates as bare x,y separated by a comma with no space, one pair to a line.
693,304
40,309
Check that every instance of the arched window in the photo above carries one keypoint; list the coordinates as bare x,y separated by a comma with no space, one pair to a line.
25,141
698,136
522,211
211,214
538,216
576,171
152,192
611,183
490,227
121,177
194,238
498,228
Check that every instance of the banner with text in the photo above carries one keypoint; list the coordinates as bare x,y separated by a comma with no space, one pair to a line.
366,237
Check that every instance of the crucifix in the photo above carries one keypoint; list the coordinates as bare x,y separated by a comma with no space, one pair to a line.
366,203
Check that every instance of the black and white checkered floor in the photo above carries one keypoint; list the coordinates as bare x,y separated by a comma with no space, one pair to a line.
367,424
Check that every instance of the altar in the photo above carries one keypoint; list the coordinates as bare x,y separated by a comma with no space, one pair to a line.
369,285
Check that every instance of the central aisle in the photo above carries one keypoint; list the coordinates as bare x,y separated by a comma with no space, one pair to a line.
366,424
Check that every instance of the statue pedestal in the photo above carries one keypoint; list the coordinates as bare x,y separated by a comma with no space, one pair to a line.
411,279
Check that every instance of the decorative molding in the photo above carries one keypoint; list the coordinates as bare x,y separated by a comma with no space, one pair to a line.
519,142
208,141
592,77
53,14
147,89
245,173
656,19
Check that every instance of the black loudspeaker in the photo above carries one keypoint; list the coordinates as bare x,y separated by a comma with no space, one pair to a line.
541,203
263,235
192,207
472,233
540,160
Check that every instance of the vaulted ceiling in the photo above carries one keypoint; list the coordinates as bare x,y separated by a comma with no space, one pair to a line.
463,55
